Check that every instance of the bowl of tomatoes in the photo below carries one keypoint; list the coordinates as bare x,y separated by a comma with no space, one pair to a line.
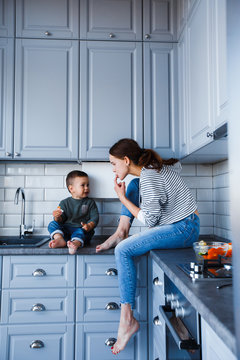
211,250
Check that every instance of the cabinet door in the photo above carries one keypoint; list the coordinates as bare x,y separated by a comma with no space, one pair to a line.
46,101
47,19
220,63
159,98
6,97
55,342
110,96
199,91
213,348
111,19
159,20
6,18
92,339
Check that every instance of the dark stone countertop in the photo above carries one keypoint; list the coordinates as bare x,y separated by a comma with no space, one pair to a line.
214,305
45,250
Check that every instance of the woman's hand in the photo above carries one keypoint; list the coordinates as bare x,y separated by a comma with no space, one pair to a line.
120,189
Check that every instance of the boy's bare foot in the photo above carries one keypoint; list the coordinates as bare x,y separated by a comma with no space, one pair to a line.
125,331
73,246
57,242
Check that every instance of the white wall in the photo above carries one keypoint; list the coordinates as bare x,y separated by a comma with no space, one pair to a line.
44,186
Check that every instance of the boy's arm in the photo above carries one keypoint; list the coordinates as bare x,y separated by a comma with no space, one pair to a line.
94,217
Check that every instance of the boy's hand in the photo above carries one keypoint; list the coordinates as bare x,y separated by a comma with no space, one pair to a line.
57,214
88,227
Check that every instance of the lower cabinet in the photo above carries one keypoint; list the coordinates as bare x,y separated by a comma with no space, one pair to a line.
49,313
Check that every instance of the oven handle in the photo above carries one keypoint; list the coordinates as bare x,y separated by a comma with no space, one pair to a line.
189,344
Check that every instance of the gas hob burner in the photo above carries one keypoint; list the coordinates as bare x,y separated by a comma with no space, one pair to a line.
208,270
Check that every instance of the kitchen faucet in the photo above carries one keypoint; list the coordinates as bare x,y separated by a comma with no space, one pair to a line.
23,229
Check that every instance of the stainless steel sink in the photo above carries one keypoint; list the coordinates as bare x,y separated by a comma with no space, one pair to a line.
28,241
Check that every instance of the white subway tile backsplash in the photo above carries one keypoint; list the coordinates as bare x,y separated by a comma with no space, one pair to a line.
221,194
44,182
12,221
56,194
204,170
61,169
109,220
222,221
1,194
24,169
206,220
205,207
220,181
222,208
206,230
113,206
200,182
204,194
11,181
30,194
188,170
1,221
2,169
221,168
226,234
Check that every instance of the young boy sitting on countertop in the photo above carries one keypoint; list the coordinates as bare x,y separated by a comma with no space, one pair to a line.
76,216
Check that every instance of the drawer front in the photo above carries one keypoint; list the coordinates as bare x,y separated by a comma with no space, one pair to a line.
91,338
103,305
158,283
38,271
159,332
38,306
56,342
100,271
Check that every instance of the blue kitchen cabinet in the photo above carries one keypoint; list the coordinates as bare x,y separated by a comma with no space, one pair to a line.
6,96
111,20
46,99
160,95
159,20
47,19
6,18
51,341
94,341
110,96
98,309
37,308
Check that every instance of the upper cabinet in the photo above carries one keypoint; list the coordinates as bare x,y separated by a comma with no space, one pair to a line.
6,18
47,19
46,99
160,98
6,96
111,19
159,20
110,96
202,74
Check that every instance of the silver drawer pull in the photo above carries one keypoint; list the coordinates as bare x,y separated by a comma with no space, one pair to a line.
112,306
111,35
110,341
38,307
157,321
39,272
36,344
111,272
157,282
47,33
147,36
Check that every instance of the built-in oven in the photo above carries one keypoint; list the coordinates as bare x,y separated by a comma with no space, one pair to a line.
182,323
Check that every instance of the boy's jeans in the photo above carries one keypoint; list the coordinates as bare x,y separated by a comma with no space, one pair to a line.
181,234
70,232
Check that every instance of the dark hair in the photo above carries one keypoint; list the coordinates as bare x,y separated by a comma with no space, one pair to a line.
73,174
142,157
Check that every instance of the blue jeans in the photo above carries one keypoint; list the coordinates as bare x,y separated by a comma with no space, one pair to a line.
132,194
181,234
70,232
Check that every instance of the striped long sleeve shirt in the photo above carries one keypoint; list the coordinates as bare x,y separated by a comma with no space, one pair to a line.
164,197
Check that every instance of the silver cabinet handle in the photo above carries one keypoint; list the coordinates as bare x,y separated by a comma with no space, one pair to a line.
157,321
157,282
110,341
39,272
16,154
111,272
47,33
111,35
147,36
209,134
36,344
8,154
112,306
38,307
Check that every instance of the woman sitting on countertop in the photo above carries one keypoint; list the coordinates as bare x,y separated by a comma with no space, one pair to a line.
167,207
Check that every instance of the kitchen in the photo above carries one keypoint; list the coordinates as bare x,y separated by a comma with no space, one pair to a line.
43,67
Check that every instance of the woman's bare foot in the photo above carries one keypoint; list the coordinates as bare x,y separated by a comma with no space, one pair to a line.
127,328
120,234
73,246
57,241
